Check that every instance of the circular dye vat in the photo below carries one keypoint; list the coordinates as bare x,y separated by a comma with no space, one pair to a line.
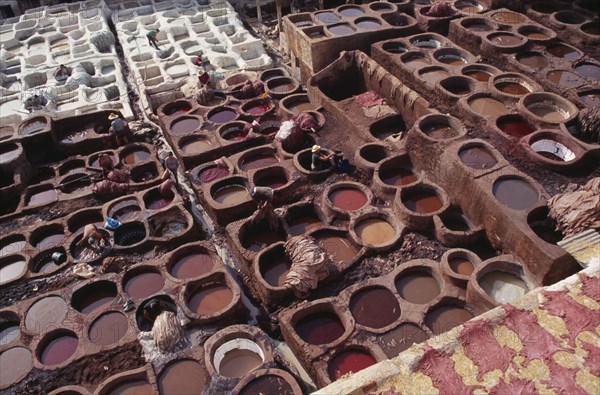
533,59
16,362
553,150
439,131
512,88
503,287
185,125
320,328
48,312
284,85
394,47
591,28
131,387
515,126
9,331
507,17
182,377
589,70
222,116
351,11
12,268
591,99
303,224
461,265
234,134
43,197
108,329
505,39
135,156
401,338
210,299
50,240
339,30
327,17
349,362
94,297
468,7
238,362
457,85
425,41
339,248
565,79
443,318
231,194
415,61
127,213
451,59
348,198
195,146
274,182
275,272
258,109
266,384
59,349
374,307
434,75
177,108
190,266
12,245
375,231
368,23
477,158
212,173
563,51
515,193
479,75
422,201
397,177
487,106
144,284
417,287
258,161
256,240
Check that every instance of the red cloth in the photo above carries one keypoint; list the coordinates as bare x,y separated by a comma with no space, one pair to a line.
204,78
368,99
305,120
440,10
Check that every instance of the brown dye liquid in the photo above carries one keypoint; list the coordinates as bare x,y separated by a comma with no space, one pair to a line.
375,231
439,131
477,158
563,51
59,349
191,266
302,225
592,29
375,307
108,329
15,362
96,300
256,241
51,240
44,197
9,331
589,70
565,79
320,328
515,194
223,116
144,284
458,88
487,106
422,202
397,177
132,387
231,194
401,338
300,106
418,287
478,75
258,161
444,318
184,377
348,198
479,27
506,39
283,88
45,313
238,362
275,273
512,88
416,61
210,299
186,125
510,18
267,384
195,147
537,36
339,248
548,113
533,60
516,128
461,266
434,76
13,270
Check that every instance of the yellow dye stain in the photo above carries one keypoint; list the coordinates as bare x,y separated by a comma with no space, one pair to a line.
465,367
586,380
567,360
552,324
507,338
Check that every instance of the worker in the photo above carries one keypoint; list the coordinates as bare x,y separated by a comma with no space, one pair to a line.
166,190
62,73
106,163
172,164
152,37
36,102
340,164
262,196
119,129
319,161
93,238
152,309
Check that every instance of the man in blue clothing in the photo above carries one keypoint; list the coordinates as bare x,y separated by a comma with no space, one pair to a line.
119,128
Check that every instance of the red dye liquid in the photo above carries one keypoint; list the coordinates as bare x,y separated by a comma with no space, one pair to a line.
236,135
191,266
348,198
158,203
144,285
258,110
212,174
516,128
349,361
320,328
59,350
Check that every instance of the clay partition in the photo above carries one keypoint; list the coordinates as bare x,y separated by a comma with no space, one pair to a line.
314,40
440,24
355,73
403,304
485,187
509,104
533,49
